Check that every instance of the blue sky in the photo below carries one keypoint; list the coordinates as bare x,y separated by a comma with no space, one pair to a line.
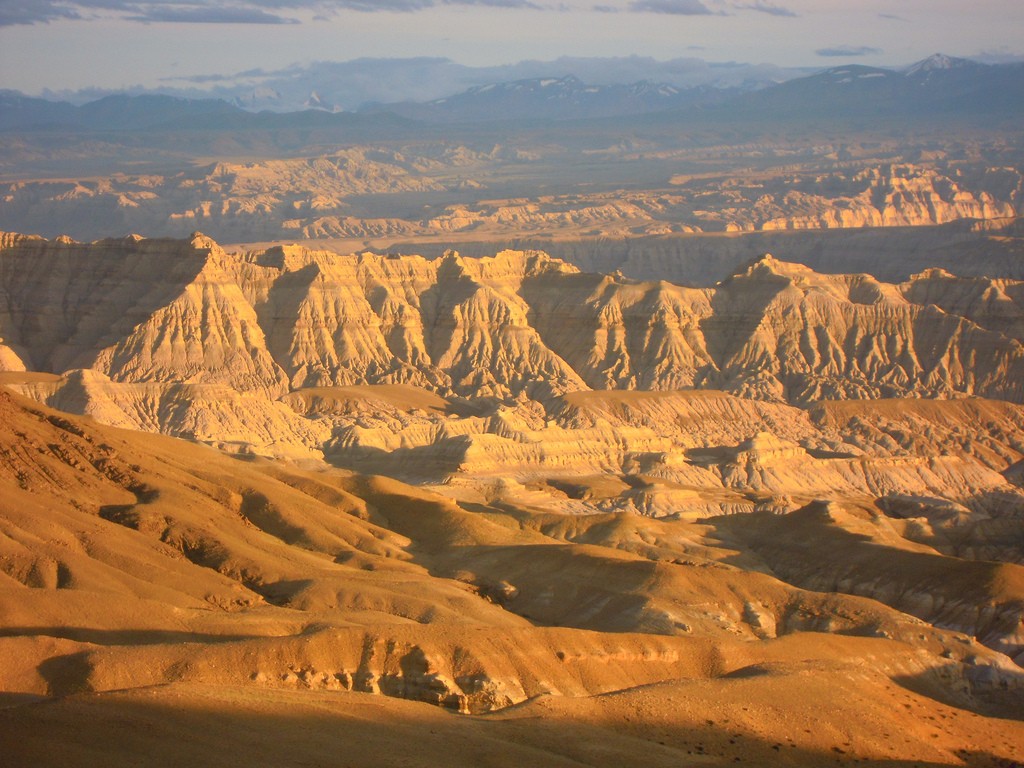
72,44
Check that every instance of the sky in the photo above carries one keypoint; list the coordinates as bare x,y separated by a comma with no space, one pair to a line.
113,44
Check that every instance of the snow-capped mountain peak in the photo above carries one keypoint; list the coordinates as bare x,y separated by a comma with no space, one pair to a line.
936,63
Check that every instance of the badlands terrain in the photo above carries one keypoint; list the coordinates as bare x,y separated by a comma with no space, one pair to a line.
662,200
594,166
294,506
484,430
373,196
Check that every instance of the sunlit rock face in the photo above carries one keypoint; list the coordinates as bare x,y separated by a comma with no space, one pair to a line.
504,484
519,324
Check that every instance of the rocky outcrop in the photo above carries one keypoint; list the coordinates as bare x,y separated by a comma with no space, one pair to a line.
175,320
136,310
214,414
891,254
764,462
782,331
895,195
988,431
996,305
325,196
517,325
271,199
620,334
829,547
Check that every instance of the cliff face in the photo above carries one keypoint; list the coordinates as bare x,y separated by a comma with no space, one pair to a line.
884,195
136,310
782,331
996,305
517,325
895,195
272,199
892,254
575,408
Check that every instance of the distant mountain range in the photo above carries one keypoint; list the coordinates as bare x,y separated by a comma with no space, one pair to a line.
351,85
159,113
119,112
936,86
549,98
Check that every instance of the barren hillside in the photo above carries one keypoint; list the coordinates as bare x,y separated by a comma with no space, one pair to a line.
148,584
499,501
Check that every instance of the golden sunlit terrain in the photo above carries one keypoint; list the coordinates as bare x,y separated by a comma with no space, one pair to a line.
549,516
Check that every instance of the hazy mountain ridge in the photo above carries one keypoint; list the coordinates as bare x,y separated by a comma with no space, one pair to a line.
117,112
932,87
936,85
548,98
353,84
939,84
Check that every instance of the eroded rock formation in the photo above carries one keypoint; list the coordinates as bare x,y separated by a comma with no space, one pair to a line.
519,324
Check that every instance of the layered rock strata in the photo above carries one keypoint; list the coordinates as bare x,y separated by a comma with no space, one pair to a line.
517,325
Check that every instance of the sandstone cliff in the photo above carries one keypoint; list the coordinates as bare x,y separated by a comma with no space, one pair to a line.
516,325
184,338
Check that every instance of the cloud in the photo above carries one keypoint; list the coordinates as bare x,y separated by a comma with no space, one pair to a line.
498,4
370,6
763,7
208,15
998,56
673,7
409,6
848,50
891,17
13,12
16,12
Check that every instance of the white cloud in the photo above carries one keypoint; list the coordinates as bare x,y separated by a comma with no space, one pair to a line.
848,50
673,7
28,12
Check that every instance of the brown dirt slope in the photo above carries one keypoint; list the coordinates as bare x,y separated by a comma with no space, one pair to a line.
149,585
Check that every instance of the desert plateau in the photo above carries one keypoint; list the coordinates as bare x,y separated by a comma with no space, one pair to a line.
589,405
